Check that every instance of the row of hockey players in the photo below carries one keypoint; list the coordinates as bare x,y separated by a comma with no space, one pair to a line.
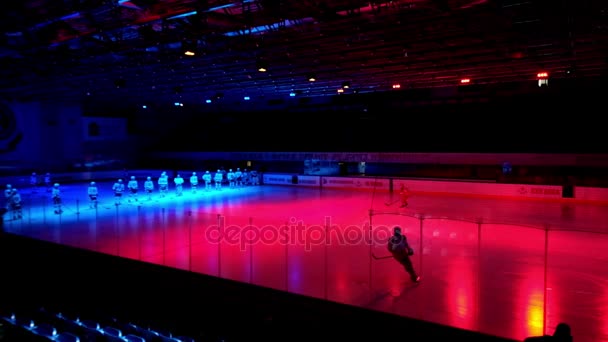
235,179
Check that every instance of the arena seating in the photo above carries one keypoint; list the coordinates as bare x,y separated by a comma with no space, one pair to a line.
43,325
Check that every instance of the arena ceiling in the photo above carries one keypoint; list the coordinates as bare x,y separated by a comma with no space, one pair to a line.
135,50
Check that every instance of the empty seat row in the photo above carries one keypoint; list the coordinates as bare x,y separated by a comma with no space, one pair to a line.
43,325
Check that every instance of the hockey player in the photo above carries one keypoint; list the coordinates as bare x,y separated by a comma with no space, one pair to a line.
404,195
179,185
56,196
207,178
238,177
16,204
246,180
401,251
217,179
231,180
133,186
224,178
93,192
163,184
253,175
47,182
34,182
118,188
193,182
562,333
149,187
8,193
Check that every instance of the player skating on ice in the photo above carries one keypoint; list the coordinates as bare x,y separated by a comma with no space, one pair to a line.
118,188
163,184
404,195
207,180
149,187
56,196
217,179
179,185
93,192
401,251
193,182
133,187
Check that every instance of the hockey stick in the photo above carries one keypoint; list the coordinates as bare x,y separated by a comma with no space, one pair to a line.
388,204
381,258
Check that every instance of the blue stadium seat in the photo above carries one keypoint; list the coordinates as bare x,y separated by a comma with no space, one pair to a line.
111,331
133,338
185,339
10,318
170,339
46,330
67,337
147,334
20,320
89,324
164,333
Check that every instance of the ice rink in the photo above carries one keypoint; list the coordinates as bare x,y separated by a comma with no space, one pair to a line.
510,268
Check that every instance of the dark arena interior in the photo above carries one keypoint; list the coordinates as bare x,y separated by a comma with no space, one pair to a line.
225,170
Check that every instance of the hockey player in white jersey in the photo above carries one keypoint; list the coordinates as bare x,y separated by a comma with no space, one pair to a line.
193,182
92,192
217,179
56,196
118,188
163,184
133,187
231,180
179,185
149,187
16,205
207,179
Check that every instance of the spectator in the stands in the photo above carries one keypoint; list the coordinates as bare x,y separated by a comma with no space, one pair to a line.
562,333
